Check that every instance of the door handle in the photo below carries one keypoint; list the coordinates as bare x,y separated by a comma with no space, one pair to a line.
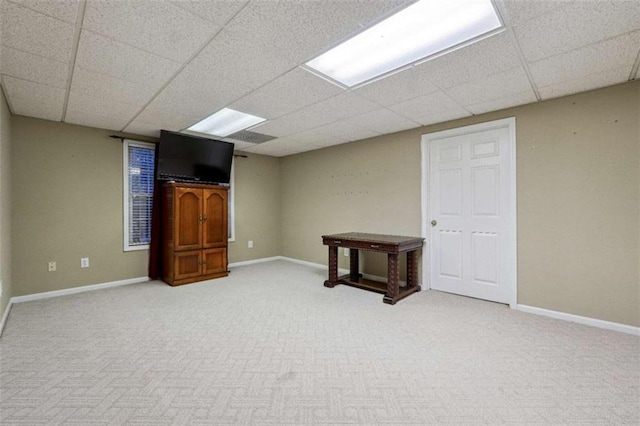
434,222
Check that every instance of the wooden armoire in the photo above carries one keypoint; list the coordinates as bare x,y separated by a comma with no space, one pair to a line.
194,241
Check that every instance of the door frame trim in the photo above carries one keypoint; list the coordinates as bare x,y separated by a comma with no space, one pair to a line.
426,139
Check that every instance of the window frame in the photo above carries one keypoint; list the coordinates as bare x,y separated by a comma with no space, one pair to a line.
231,214
125,190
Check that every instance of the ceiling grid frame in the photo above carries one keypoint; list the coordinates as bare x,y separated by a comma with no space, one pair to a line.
195,55
48,44
509,28
82,4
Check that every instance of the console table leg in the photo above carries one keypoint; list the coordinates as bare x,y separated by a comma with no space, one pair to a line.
354,265
333,267
392,279
412,270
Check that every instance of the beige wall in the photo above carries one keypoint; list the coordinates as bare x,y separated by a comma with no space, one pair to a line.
578,204
368,186
68,195
577,192
5,204
257,208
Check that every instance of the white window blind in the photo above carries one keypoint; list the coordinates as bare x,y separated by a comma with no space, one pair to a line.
139,161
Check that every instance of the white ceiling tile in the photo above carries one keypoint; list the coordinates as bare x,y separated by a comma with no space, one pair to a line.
102,55
33,32
158,27
98,106
228,69
583,23
168,120
170,102
511,100
27,66
519,11
345,105
66,10
582,84
325,143
278,127
489,56
495,86
429,109
274,153
252,62
345,131
398,87
294,90
442,116
382,121
278,147
99,121
614,53
324,112
149,124
296,150
294,122
111,88
312,137
295,31
34,99
143,129
219,12
237,145
203,87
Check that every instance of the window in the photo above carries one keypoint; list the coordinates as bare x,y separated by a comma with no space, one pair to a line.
138,172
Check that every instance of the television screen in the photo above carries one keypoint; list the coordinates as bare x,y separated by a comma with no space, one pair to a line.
190,158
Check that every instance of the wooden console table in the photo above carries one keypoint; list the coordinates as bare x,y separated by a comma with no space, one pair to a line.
392,245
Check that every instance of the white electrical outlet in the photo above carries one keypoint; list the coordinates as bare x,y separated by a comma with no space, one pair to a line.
346,252
52,266
250,244
84,262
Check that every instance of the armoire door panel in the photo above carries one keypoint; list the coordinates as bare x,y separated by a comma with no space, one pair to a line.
188,264
214,260
215,223
188,215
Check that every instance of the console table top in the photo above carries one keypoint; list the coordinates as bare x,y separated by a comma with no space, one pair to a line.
374,238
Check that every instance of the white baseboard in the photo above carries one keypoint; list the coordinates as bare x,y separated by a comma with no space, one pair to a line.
341,271
629,329
303,262
74,290
5,315
65,292
254,261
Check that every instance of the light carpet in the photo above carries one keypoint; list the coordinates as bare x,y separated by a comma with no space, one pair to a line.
270,345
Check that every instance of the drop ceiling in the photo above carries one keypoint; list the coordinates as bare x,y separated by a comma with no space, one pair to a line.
139,66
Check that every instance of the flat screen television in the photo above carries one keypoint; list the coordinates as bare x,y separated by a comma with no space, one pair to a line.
189,158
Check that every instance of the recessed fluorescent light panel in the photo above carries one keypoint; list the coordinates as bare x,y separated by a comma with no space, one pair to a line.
225,122
419,31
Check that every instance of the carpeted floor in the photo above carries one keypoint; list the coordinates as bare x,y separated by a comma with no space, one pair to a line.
271,345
